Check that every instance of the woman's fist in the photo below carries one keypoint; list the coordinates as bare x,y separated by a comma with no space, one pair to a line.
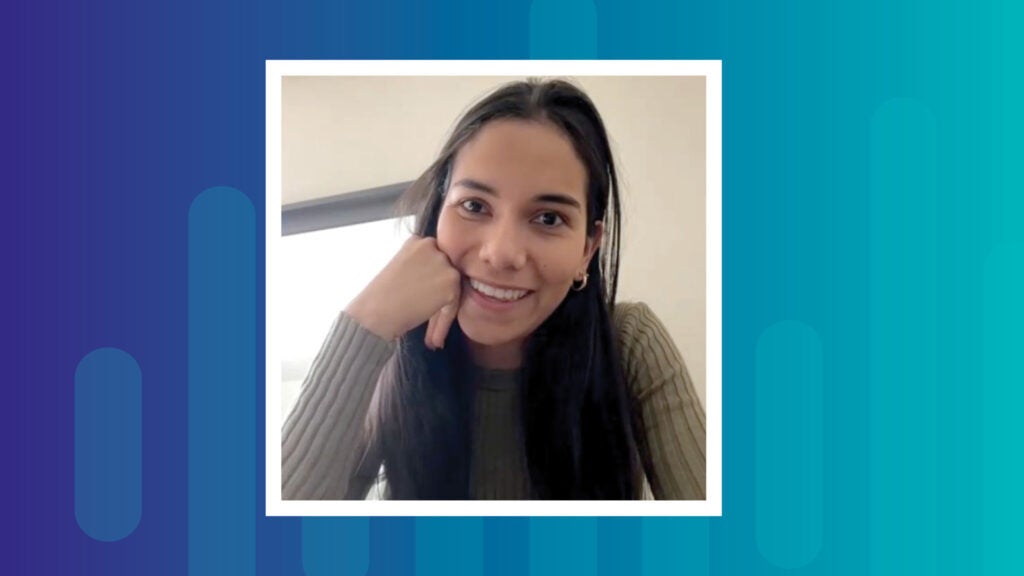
418,285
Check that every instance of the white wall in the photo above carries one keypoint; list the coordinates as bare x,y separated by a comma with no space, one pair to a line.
345,134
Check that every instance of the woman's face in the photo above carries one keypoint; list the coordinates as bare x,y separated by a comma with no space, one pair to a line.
514,223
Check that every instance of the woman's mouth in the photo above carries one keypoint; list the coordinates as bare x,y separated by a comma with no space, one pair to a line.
496,298
501,294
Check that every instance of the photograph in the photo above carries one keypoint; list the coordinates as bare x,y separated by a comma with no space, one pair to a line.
491,288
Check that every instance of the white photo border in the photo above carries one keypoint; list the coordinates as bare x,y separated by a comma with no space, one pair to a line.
711,70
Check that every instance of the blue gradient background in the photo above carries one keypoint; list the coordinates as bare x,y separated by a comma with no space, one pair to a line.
873,265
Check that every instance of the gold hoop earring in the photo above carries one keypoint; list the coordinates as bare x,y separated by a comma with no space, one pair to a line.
582,285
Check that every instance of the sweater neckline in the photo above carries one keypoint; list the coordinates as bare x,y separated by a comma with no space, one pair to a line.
497,379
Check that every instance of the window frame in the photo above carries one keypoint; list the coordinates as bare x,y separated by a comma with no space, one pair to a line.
344,209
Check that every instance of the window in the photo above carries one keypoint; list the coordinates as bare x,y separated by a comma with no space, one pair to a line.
320,273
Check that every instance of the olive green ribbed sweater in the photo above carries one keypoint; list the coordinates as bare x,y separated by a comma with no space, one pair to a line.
323,451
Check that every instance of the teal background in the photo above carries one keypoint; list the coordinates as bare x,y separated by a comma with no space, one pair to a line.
873,262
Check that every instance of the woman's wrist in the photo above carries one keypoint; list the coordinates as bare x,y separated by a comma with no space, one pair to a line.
365,315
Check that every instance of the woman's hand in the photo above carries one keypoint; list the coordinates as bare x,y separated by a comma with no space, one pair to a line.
419,284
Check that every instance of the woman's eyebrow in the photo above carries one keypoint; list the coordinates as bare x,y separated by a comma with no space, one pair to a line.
552,198
559,199
475,185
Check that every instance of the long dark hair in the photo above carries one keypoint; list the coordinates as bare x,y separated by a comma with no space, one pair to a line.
580,429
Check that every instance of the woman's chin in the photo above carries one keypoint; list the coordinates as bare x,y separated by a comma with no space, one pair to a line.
489,337
493,346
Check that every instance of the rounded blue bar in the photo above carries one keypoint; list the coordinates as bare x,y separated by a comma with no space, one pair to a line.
222,383
452,546
551,38
108,444
335,546
561,545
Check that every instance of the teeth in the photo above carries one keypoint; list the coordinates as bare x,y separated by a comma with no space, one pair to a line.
497,293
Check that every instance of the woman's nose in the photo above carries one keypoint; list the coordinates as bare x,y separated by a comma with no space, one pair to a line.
504,246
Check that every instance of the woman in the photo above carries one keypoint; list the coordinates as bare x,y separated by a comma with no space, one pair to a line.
487,359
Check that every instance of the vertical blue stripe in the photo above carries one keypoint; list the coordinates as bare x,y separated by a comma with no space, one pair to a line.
618,546
560,546
335,546
673,546
788,460
392,546
221,384
1003,386
449,547
506,546
563,29
108,444
903,359
1002,374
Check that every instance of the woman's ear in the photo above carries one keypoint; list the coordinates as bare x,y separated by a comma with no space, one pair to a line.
593,243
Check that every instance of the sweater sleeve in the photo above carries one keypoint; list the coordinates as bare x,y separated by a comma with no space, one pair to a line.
324,450
672,416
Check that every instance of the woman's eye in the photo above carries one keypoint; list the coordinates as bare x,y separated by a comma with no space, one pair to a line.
550,220
472,206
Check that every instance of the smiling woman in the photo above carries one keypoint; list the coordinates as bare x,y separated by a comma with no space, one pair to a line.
514,225
489,359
